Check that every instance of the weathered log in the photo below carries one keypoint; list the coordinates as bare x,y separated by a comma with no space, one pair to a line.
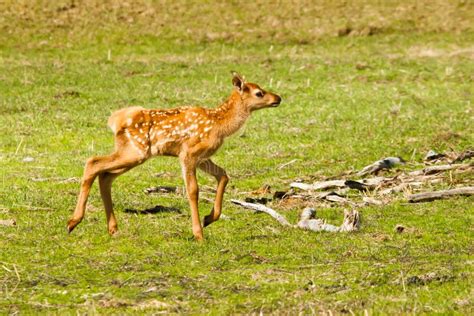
436,195
308,218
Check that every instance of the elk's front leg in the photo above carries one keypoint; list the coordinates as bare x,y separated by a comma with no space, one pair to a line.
222,179
188,166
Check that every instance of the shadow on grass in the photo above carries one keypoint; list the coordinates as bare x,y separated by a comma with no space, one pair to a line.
154,210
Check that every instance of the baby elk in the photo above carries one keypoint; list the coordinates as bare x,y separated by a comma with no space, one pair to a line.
193,134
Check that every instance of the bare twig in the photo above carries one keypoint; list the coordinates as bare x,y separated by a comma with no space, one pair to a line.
436,195
287,164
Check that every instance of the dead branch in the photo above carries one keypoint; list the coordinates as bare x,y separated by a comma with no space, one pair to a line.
287,164
362,185
58,179
436,195
319,185
351,221
262,208
468,154
309,221
371,201
386,163
356,185
373,183
338,199
432,155
438,168
308,218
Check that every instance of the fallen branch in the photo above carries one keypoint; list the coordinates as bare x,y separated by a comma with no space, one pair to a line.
438,168
468,154
319,185
430,196
308,218
310,222
371,201
58,179
361,185
338,199
262,208
432,155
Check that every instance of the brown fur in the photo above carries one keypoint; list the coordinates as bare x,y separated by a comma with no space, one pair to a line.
193,134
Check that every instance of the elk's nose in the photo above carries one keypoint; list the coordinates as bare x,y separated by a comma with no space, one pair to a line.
276,100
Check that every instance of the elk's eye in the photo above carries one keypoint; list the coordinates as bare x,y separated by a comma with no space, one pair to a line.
259,94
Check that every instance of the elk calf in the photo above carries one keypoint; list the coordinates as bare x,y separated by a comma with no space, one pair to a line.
193,134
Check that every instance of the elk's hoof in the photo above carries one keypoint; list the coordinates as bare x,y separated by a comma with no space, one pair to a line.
207,220
198,236
71,224
113,230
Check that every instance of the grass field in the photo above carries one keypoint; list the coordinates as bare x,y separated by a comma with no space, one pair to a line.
359,82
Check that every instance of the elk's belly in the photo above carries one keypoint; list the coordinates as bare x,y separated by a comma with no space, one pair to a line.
165,147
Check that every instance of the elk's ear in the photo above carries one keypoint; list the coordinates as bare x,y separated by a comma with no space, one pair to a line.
238,82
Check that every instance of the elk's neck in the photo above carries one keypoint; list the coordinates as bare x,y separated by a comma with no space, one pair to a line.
231,115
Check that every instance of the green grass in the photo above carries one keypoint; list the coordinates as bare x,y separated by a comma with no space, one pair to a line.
347,101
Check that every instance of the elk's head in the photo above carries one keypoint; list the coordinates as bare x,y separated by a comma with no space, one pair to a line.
254,97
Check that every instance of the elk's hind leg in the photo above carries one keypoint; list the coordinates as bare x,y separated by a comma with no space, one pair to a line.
100,165
105,182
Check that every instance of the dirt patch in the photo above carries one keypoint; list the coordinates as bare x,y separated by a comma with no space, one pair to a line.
299,22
